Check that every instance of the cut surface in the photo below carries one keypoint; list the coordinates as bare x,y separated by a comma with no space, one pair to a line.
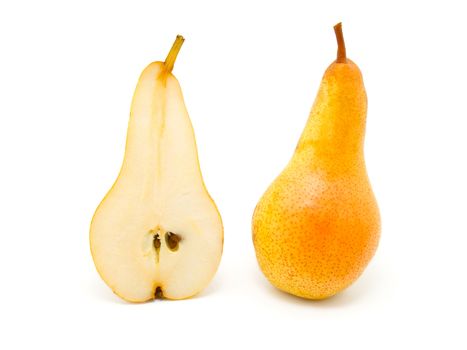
157,231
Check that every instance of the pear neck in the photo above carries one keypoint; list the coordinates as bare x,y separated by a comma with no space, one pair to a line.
336,124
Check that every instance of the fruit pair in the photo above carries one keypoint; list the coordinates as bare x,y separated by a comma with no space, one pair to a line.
158,232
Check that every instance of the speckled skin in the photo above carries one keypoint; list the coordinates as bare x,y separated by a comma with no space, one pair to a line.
318,225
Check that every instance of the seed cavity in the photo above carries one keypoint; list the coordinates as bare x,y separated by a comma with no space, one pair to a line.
172,239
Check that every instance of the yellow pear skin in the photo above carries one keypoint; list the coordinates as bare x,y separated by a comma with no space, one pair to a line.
157,233
318,224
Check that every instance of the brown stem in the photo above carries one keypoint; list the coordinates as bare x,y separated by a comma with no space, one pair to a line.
341,55
172,56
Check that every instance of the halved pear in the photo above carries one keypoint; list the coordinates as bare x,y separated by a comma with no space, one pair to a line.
158,232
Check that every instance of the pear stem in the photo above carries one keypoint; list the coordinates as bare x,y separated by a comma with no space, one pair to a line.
341,54
173,53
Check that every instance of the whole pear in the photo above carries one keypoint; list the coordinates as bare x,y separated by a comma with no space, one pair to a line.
318,224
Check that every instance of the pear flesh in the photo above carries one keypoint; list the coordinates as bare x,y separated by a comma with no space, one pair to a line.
158,232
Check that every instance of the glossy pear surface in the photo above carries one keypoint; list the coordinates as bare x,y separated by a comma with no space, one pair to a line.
157,232
318,224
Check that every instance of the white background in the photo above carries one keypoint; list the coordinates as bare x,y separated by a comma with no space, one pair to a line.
249,72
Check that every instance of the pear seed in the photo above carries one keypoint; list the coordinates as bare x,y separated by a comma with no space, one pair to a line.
157,241
172,240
